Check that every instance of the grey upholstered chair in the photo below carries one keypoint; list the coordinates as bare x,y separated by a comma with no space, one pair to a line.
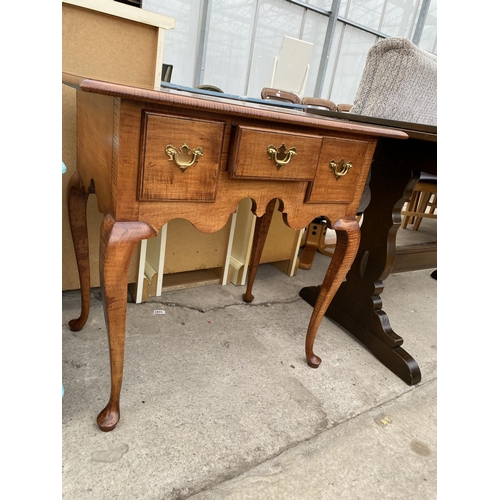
399,82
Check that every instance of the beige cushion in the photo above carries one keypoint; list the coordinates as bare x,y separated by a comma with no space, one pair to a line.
399,82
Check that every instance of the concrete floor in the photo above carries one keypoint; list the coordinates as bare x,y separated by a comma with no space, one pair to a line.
219,403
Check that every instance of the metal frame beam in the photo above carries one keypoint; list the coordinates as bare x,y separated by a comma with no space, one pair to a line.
333,17
327,48
422,16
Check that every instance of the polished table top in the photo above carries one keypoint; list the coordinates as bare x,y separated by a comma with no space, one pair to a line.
414,130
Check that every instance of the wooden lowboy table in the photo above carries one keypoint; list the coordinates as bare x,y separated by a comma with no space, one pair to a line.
151,156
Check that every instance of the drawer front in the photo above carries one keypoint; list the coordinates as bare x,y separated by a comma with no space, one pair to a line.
273,154
340,165
180,158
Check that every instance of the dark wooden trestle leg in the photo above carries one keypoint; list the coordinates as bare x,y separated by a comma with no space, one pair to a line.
118,241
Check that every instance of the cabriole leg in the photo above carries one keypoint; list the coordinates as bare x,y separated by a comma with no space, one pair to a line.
118,241
77,211
259,239
348,237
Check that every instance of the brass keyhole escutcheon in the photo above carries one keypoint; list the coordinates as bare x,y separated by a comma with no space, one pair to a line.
281,156
341,168
185,157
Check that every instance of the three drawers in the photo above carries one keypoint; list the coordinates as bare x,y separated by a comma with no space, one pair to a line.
180,159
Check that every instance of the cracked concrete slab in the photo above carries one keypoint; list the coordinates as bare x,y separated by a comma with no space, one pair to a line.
216,390
390,455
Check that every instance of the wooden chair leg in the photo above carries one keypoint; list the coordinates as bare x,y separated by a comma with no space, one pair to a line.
313,236
410,207
422,205
433,203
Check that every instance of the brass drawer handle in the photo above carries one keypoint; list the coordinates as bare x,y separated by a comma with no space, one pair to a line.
184,158
341,168
281,156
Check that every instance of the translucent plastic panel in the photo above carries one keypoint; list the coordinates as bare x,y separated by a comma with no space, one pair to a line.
400,17
275,18
181,42
314,31
428,41
332,61
350,65
321,4
343,7
366,12
229,45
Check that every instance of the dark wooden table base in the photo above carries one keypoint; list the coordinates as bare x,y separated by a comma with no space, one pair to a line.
357,305
393,357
